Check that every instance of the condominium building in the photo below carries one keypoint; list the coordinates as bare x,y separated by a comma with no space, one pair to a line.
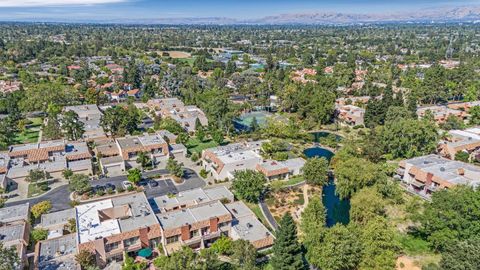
278,170
110,227
90,116
350,115
15,230
441,113
49,156
461,140
430,173
223,161
197,218
56,253
174,108
463,106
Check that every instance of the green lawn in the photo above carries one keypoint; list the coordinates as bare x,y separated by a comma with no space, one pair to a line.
35,190
31,131
412,245
258,212
195,146
277,184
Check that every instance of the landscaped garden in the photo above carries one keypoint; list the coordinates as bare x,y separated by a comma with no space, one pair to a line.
30,131
194,145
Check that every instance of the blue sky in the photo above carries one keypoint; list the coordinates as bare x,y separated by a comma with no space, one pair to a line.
240,9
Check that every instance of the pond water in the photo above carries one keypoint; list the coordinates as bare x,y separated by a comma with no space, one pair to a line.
337,209
318,136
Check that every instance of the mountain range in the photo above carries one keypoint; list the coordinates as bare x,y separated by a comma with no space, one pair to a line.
446,14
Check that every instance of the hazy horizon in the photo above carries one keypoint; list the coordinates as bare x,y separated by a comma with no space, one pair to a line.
131,10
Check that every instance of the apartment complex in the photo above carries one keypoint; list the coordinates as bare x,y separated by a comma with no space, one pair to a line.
463,106
174,108
15,229
461,140
441,113
117,155
350,115
198,217
427,174
108,228
278,170
49,156
90,116
223,161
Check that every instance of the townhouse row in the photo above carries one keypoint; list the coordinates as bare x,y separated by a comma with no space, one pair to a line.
130,223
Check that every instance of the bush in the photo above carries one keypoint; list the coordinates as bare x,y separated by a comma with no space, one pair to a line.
203,173
130,188
120,190
110,191
100,192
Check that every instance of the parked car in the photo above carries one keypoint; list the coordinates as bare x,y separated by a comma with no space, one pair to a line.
126,185
152,183
143,182
110,186
99,188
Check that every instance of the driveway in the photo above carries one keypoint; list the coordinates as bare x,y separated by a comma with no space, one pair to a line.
60,200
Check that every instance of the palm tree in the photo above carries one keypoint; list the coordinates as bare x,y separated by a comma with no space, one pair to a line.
143,159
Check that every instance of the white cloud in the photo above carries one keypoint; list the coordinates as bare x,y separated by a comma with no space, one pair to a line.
41,3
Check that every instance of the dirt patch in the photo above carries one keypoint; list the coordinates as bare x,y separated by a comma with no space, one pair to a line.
286,200
178,54
407,263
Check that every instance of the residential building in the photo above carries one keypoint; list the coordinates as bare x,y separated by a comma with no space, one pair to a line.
223,161
463,106
4,165
186,116
350,115
56,254
153,144
461,140
197,218
49,156
441,113
427,174
351,100
110,227
15,230
55,222
90,116
279,170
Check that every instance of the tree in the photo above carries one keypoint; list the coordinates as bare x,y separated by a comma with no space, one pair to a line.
366,204
79,183
451,216
72,126
407,138
71,225
353,174
36,175
134,175
453,122
120,120
38,234
338,249
379,247
315,171
199,130
7,133
67,173
244,254
313,217
222,246
464,254
184,258
462,156
40,208
217,136
144,159
175,168
474,115
254,125
248,185
51,129
395,113
287,252
85,258
9,259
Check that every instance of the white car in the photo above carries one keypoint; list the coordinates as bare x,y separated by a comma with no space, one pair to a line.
126,184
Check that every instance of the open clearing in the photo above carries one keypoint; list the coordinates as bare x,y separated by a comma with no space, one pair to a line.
178,54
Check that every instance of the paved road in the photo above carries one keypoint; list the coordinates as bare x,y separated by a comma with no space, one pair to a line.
60,195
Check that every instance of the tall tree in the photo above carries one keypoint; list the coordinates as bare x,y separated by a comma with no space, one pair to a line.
287,252
248,185
315,171
72,126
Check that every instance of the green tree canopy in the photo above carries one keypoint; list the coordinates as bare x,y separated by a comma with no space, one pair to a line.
315,171
248,185
287,252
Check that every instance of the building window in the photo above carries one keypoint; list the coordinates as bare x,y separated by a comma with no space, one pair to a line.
205,230
115,258
223,224
111,246
131,241
193,233
172,239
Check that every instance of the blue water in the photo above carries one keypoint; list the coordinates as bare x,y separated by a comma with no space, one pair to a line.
337,210
317,136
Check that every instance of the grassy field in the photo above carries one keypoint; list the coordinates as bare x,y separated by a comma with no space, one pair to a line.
30,135
278,184
256,210
195,146
35,189
178,54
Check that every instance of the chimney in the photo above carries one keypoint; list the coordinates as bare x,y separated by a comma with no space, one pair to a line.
185,232
213,224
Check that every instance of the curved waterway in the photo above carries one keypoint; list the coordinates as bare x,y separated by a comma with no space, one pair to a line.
337,209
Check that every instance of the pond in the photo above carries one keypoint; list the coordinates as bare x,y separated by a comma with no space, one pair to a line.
337,209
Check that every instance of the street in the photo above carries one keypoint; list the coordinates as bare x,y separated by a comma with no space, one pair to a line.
59,197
